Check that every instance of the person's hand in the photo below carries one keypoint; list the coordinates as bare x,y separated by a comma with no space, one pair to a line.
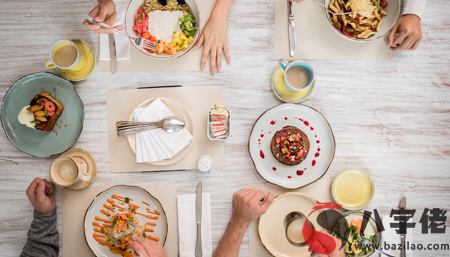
409,33
214,37
249,204
147,247
297,1
40,193
338,252
104,12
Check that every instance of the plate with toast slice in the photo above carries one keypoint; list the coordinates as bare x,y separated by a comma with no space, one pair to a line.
42,114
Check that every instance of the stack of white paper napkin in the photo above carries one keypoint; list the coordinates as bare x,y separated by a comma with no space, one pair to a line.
157,145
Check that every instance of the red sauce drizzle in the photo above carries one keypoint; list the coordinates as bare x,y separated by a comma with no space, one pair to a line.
317,154
318,141
285,118
318,149
306,122
262,135
272,122
300,172
289,176
312,128
313,163
274,169
261,154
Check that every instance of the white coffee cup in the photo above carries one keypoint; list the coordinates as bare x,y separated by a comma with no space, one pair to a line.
66,171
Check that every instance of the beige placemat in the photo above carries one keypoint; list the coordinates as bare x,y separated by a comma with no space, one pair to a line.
198,100
315,38
75,203
320,190
139,62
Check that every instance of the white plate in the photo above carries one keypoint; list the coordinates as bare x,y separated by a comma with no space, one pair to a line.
129,23
271,227
138,195
178,110
393,10
320,136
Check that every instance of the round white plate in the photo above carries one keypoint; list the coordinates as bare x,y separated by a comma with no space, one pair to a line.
178,110
138,195
320,136
129,23
271,227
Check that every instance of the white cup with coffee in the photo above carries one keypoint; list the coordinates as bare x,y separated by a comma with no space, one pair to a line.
66,171
298,75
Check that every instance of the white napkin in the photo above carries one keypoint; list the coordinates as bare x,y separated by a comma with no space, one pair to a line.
122,42
156,144
187,225
390,237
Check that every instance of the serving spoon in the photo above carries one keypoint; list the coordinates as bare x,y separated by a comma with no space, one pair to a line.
169,124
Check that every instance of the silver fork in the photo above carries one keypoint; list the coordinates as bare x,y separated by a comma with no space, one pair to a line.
132,228
142,42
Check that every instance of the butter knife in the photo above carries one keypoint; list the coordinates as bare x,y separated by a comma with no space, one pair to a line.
198,217
292,39
112,52
402,236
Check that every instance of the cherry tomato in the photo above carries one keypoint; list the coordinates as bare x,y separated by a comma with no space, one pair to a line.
383,4
373,27
337,25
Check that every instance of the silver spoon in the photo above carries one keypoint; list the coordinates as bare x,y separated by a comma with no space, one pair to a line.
169,124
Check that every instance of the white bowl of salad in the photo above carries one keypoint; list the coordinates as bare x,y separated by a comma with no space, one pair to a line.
371,19
173,25
351,228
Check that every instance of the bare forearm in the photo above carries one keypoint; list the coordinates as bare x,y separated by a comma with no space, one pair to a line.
231,242
222,7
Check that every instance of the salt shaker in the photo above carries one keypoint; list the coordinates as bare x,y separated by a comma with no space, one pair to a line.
205,163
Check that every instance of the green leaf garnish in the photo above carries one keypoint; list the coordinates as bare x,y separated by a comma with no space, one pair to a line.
295,137
127,200
378,5
303,143
174,32
285,142
131,218
102,230
114,223
182,45
29,108
46,112
159,41
144,235
40,101
298,155
141,17
35,121
371,36
188,18
285,150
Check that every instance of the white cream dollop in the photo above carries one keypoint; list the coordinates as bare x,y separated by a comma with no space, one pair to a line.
162,24
25,117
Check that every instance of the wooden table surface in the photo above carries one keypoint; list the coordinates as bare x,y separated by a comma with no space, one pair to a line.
390,118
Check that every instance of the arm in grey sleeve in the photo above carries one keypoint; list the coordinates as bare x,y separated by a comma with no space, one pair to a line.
416,7
42,237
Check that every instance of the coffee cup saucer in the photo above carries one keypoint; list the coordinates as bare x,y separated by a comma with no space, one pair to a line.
84,73
285,95
92,167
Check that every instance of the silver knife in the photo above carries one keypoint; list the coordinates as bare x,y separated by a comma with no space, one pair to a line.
403,236
198,217
292,39
112,52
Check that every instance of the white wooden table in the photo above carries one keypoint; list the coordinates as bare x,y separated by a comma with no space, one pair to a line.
390,118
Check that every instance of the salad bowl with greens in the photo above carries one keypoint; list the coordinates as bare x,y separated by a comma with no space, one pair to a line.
348,229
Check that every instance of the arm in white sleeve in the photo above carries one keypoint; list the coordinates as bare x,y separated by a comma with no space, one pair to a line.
414,7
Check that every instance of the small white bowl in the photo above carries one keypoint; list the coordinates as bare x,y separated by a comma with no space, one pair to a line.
393,10
358,207
129,23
